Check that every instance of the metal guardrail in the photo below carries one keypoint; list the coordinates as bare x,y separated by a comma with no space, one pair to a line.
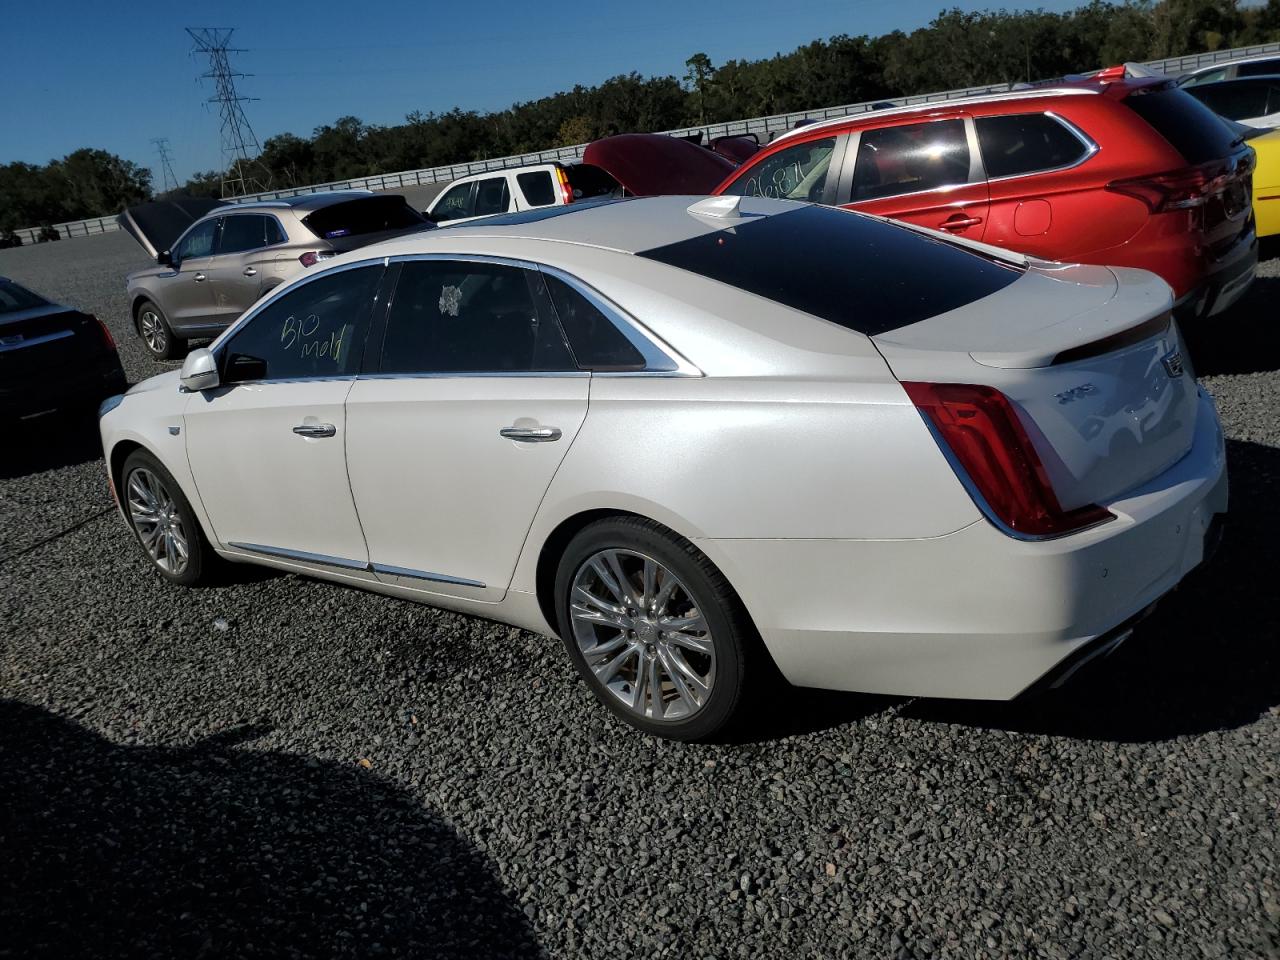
764,127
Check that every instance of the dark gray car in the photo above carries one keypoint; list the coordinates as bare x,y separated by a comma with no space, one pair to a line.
232,254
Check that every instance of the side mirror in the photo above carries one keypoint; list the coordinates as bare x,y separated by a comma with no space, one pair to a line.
165,258
199,371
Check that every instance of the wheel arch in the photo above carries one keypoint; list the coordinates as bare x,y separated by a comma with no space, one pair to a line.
135,307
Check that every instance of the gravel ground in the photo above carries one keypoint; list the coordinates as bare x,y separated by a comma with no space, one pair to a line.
282,767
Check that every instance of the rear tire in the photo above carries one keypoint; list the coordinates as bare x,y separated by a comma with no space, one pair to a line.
157,336
163,521
654,628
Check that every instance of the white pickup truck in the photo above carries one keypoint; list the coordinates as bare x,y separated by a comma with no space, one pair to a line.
521,188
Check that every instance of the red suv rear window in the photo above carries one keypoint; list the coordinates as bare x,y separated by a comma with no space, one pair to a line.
1191,128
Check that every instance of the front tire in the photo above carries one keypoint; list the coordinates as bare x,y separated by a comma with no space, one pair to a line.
653,627
163,521
157,336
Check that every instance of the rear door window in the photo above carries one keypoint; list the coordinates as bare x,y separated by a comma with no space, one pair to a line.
797,172
538,187
492,196
910,158
242,232
354,218
317,329
463,317
1026,143
596,341
1191,128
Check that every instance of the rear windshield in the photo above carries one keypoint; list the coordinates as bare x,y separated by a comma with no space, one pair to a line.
852,270
588,181
14,298
1191,128
366,215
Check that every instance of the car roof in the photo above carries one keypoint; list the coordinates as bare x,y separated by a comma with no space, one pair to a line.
1082,88
1231,63
629,225
303,203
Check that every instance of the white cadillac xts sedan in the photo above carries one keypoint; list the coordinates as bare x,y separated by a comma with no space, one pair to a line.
691,437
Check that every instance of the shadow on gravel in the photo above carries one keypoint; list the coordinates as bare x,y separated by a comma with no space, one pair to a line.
1244,339
1207,659
209,851
49,442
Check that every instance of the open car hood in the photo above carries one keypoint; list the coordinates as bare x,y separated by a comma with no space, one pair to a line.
157,224
653,164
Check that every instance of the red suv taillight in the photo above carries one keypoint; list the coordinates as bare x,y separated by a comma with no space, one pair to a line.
1182,189
980,428
562,180
312,257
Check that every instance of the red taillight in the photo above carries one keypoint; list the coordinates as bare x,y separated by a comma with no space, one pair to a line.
982,430
312,257
106,334
1176,190
562,180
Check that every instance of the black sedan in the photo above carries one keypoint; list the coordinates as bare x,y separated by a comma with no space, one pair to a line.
52,357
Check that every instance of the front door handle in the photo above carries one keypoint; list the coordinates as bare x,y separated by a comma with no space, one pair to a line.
199,278
960,222
315,429
250,272
531,434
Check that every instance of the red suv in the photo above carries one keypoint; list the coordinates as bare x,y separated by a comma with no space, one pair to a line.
1128,172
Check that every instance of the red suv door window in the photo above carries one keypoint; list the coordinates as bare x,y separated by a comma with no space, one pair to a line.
922,173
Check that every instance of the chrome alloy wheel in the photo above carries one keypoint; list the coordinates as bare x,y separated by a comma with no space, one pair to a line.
156,518
642,635
152,328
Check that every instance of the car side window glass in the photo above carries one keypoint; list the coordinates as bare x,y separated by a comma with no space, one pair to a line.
1213,76
198,242
794,173
274,233
1260,68
492,196
463,317
242,232
455,204
1026,143
596,341
314,330
910,158
538,188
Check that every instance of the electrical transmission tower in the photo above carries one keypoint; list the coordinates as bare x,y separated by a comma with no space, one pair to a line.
169,181
242,174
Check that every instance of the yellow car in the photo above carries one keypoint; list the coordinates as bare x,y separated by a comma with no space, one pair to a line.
1266,182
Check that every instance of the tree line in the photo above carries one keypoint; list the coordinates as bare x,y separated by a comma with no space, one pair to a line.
957,49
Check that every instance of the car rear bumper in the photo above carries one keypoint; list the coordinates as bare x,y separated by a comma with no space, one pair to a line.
80,389
1229,280
975,614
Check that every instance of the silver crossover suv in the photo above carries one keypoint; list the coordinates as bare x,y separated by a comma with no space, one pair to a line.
212,264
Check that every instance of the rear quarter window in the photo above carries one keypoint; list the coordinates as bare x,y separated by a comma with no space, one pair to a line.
1026,143
537,187
1191,128
863,274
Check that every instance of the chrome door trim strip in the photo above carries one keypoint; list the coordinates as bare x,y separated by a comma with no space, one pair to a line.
302,555
23,342
386,568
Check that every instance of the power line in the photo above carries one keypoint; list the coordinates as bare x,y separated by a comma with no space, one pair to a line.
169,181
242,175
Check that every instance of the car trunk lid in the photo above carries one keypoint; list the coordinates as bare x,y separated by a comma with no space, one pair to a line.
1090,363
654,164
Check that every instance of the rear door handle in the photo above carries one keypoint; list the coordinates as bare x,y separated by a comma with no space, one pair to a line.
250,272
199,277
315,429
531,434
960,222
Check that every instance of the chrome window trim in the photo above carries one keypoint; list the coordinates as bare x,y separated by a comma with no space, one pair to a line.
23,343
1091,147
388,569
